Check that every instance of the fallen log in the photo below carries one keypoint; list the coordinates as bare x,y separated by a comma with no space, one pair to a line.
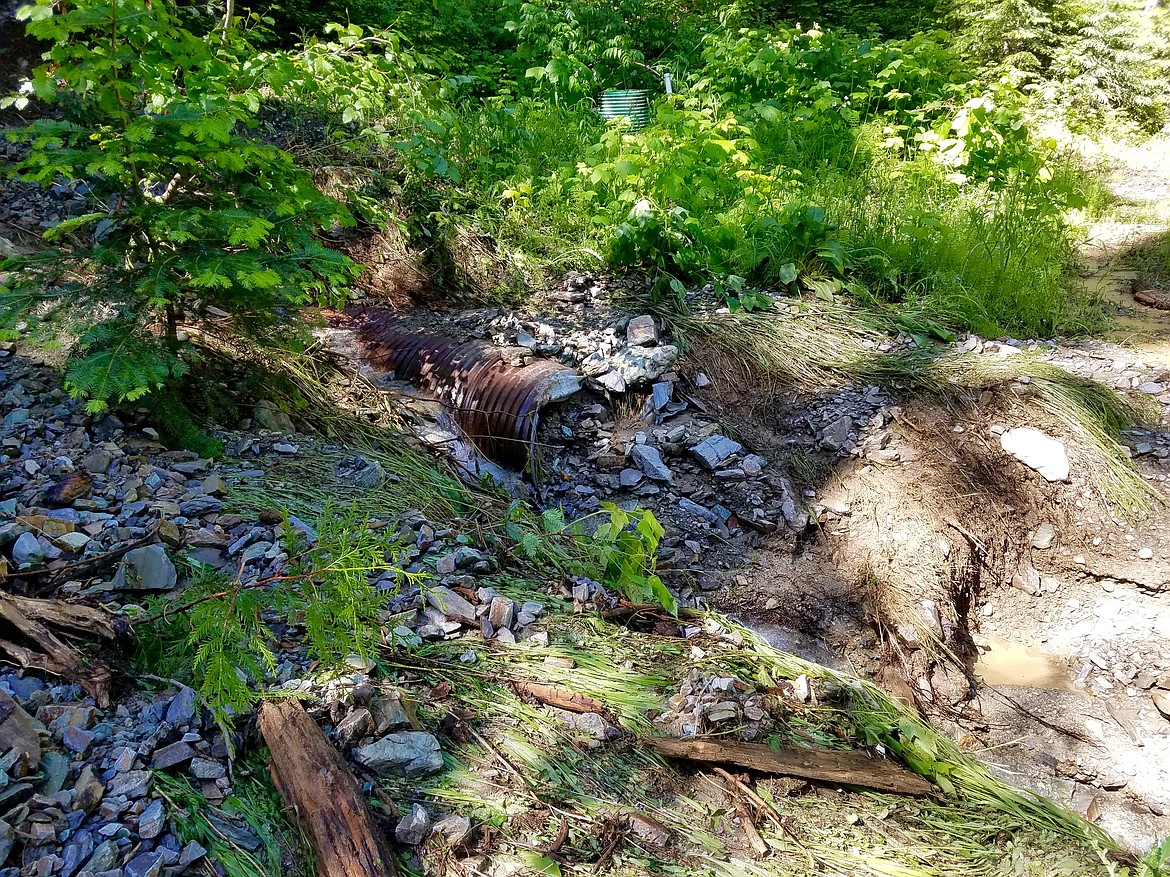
561,698
824,765
1154,298
320,790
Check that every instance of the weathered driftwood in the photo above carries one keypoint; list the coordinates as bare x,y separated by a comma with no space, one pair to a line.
318,787
42,649
561,698
823,765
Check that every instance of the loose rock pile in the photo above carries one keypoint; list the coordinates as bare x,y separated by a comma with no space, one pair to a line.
78,793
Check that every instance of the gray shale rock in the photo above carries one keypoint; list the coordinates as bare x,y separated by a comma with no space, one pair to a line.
27,551
152,820
649,460
641,366
404,753
714,451
413,829
451,604
641,331
181,709
146,569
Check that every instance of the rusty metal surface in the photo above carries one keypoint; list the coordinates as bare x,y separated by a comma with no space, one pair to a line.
497,404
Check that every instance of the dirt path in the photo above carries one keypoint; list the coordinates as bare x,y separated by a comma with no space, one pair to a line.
1121,253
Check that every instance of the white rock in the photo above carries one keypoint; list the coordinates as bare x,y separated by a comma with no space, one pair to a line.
1037,451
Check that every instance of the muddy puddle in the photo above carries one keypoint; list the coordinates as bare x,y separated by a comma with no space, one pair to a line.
1003,662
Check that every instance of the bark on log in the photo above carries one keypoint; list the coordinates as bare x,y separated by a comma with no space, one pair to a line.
319,788
28,616
844,768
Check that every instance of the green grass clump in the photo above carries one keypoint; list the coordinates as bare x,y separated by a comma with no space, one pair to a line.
254,806
884,171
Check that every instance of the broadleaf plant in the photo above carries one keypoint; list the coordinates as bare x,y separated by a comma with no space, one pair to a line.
191,216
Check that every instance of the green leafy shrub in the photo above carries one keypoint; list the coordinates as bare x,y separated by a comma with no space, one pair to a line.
191,217
807,160
613,546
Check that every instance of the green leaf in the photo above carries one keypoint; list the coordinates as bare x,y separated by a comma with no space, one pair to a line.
540,863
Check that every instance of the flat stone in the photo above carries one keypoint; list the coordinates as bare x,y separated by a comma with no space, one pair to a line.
713,451
701,512
357,725
207,769
55,767
641,366
1037,451
612,381
77,850
388,714
413,828
7,839
501,612
105,856
77,740
152,820
174,755
130,784
630,477
89,790
595,725
641,331
213,485
456,829
200,505
649,460
268,416
72,542
146,569
404,753
451,604
836,434
21,732
192,852
661,394
753,464
144,865
97,461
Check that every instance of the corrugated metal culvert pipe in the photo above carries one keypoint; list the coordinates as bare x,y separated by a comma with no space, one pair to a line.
495,403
